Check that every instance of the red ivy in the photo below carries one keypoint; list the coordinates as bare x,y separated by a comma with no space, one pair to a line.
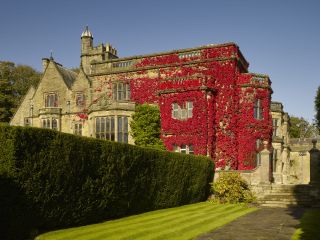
223,124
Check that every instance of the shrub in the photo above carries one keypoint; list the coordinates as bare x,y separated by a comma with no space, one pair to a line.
232,188
66,180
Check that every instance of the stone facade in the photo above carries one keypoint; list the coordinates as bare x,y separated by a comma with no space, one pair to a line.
210,104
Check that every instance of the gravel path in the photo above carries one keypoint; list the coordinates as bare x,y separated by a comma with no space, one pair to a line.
264,224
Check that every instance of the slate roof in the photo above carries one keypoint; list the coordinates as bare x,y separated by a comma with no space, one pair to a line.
67,75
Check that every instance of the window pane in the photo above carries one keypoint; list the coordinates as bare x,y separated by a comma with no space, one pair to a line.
54,124
190,109
183,113
125,129
124,91
103,124
175,108
120,131
112,128
108,128
114,91
175,148
128,91
120,91
183,149
191,149
97,125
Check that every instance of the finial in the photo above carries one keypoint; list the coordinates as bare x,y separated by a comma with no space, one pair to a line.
314,143
86,32
51,54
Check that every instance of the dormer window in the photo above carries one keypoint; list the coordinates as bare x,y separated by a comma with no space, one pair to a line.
51,100
120,91
184,112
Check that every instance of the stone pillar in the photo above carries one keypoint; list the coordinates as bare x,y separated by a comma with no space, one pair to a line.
265,164
314,163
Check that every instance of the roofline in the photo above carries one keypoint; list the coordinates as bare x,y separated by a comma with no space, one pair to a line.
118,71
167,53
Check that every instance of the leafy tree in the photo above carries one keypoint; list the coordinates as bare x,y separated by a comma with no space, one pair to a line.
145,126
6,101
317,107
14,84
300,128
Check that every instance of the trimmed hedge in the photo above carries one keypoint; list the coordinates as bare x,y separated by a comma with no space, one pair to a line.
56,180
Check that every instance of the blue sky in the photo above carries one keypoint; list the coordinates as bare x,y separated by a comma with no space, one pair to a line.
278,38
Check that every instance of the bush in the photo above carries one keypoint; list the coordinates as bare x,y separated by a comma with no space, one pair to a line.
68,181
230,187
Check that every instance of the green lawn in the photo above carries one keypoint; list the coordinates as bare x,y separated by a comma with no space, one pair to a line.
309,228
184,222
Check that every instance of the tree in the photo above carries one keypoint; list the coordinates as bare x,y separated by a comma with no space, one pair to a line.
145,126
6,101
317,107
14,84
300,128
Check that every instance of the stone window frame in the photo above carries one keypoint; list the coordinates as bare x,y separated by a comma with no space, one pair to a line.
112,127
51,100
275,127
257,109
182,113
183,148
50,123
80,99
121,91
77,128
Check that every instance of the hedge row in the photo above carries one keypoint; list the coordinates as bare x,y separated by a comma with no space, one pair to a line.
51,180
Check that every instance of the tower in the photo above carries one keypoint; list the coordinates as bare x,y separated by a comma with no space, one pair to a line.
86,41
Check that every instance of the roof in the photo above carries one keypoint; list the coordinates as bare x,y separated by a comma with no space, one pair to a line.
67,75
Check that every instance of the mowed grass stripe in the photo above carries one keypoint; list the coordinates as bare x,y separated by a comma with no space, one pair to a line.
189,220
154,226
150,222
175,229
194,229
132,220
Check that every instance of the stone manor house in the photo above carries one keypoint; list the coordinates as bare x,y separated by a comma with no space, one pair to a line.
210,103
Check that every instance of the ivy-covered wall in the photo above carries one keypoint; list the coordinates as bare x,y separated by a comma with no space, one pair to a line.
216,80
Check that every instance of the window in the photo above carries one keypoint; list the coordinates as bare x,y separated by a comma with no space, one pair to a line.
106,128
120,91
258,149
275,127
50,123
182,113
274,160
123,129
27,121
183,149
51,100
257,109
54,124
79,99
186,149
46,123
77,129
